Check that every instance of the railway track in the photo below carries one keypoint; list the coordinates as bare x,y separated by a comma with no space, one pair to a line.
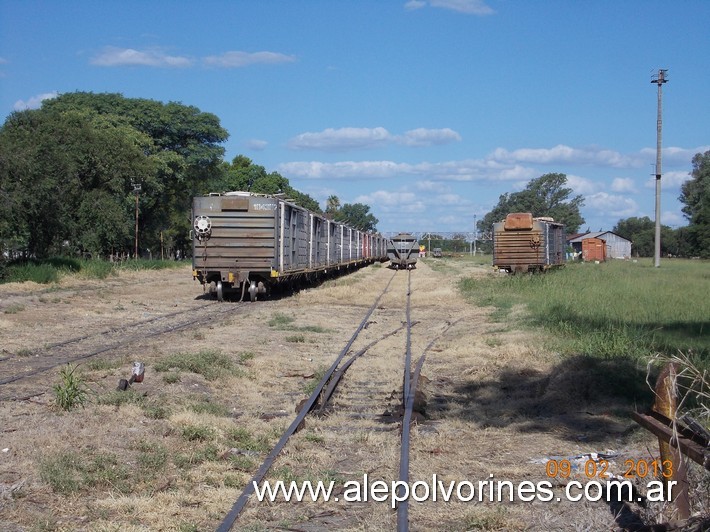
21,372
354,390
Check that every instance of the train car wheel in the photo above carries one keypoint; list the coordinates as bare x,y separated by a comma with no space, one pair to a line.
253,291
220,292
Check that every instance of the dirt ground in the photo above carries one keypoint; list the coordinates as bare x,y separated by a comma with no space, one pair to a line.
175,451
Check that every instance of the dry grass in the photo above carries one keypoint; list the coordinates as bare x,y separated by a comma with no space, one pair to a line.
498,399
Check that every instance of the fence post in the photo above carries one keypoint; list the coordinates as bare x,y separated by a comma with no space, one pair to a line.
666,403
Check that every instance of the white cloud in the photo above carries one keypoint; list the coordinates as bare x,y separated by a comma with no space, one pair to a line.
414,4
111,56
566,154
428,137
466,170
243,59
611,205
669,180
581,185
469,7
428,185
256,144
34,102
401,201
358,138
343,139
623,184
674,154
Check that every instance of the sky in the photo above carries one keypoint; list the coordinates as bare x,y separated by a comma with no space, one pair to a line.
426,110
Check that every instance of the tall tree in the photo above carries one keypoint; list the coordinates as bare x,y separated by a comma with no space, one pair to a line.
332,206
546,195
55,157
695,195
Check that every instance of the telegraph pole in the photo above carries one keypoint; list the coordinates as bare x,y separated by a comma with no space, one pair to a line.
659,80
475,234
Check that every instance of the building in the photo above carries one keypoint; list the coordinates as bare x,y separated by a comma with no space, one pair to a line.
617,247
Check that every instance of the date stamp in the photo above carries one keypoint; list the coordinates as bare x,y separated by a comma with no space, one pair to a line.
600,469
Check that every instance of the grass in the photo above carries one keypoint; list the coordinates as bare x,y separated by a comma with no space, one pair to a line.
70,472
71,390
282,322
14,309
51,270
211,364
615,309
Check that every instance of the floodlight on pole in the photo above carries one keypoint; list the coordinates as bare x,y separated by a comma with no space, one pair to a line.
659,79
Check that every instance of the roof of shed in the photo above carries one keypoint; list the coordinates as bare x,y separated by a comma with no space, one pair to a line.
594,234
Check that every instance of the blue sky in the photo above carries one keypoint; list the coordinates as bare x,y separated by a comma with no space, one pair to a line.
427,110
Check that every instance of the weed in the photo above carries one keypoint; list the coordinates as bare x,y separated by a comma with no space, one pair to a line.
310,386
246,356
155,410
241,463
314,438
197,433
296,339
24,352
171,377
243,440
208,407
153,456
14,308
104,364
118,398
210,364
196,456
69,472
71,390
280,321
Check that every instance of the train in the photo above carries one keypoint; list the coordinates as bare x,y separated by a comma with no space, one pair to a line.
249,243
522,243
402,251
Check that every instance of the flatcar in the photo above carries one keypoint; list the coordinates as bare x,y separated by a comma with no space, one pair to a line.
245,242
402,251
522,243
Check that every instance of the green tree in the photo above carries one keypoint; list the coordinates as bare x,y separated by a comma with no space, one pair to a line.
81,148
546,195
332,206
642,233
695,195
357,215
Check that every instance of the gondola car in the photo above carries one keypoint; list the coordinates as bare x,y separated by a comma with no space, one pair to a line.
402,251
248,243
522,243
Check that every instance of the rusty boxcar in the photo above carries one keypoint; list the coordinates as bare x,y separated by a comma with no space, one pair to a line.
249,242
522,243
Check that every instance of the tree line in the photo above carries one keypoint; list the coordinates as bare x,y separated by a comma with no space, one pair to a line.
71,171
549,195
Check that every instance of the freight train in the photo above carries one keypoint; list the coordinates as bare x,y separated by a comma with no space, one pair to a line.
522,243
248,243
402,251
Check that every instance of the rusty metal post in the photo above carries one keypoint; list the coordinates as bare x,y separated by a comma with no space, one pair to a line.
666,403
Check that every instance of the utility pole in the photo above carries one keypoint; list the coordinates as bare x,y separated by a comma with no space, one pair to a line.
659,80
136,190
475,234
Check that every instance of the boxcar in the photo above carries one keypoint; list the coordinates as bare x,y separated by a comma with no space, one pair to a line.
402,251
250,242
522,243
